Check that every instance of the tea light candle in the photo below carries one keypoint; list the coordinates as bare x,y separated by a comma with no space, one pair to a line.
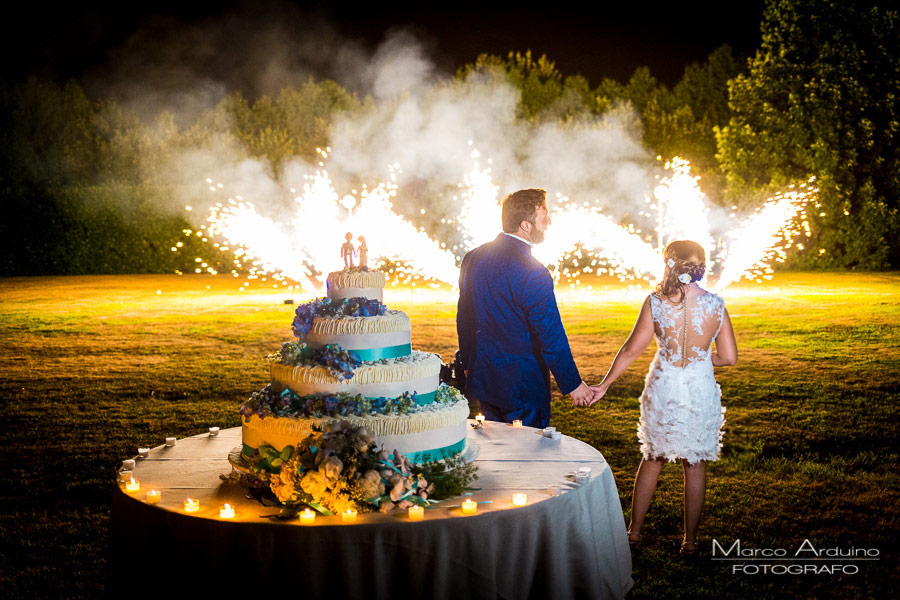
548,431
143,452
469,507
581,478
553,490
133,486
416,513
349,516
154,496
227,511
126,476
128,464
307,517
191,505
170,441
479,418
213,431
520,499
556,436
517,423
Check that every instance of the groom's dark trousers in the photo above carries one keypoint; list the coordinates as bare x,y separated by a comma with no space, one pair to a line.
510,333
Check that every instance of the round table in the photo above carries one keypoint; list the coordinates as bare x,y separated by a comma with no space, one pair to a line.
572,545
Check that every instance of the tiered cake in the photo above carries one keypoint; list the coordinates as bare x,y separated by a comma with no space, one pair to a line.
387,387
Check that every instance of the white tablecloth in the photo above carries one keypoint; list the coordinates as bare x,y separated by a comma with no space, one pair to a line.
570,546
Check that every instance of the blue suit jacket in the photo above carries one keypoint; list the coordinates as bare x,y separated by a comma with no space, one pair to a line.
510,334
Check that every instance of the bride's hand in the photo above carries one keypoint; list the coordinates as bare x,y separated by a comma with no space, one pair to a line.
598,392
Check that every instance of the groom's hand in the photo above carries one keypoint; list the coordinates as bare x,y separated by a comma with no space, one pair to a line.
581,396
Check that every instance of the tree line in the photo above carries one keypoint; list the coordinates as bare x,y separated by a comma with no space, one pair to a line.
81,180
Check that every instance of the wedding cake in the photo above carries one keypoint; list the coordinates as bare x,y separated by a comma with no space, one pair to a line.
353,361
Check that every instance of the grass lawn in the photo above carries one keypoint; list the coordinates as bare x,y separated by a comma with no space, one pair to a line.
94,367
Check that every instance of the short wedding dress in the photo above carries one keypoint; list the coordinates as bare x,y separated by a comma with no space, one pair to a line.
681,408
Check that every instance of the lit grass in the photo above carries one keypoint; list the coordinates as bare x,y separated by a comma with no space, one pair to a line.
94,367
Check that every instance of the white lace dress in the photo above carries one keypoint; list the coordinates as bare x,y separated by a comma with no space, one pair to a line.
681,409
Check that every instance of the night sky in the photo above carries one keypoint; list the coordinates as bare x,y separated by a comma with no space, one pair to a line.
82,40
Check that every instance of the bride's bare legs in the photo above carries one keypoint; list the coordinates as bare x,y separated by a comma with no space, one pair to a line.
644,487
694,494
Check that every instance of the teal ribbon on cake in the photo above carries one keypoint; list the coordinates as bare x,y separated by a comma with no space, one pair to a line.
421,399
415,457
437,453
370,354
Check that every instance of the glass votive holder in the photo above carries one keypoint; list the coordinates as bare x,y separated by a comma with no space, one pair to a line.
349,516
307,517
416,513
520,499
517,423
154,496
469,507
213,431
128,464
170,441
191,505
226,512
143,452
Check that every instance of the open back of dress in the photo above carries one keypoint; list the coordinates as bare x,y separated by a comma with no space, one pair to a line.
681,409
686,330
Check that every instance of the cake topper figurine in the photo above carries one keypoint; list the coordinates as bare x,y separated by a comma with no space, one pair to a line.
347,251
363,252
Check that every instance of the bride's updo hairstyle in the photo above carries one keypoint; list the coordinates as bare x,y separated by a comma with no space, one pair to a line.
682,258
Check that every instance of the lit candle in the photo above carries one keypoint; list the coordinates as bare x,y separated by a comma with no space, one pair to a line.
469,507
348,516
227,511
213,431
170,441
128,465
154,496
307,517
416,513
517,423
133,486
143,452
520,499
191,505
479,418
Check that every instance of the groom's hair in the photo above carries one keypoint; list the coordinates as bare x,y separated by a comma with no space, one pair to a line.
521,206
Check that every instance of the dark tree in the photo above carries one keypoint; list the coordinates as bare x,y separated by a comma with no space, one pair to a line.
822,97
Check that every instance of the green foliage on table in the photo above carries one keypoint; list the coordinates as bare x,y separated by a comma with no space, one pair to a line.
339,468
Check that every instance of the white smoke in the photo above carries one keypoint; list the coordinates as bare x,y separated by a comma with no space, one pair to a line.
430,125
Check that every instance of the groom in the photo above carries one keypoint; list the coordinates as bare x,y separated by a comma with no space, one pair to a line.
510,334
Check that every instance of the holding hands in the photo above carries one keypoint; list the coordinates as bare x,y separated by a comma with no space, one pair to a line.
585,395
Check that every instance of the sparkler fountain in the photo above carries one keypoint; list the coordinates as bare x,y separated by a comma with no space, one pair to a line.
296,253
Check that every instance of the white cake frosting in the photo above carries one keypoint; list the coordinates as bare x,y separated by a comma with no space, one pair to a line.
357,333
446,422
419,372
429,429
355,284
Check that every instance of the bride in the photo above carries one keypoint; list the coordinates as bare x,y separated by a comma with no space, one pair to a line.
681,411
